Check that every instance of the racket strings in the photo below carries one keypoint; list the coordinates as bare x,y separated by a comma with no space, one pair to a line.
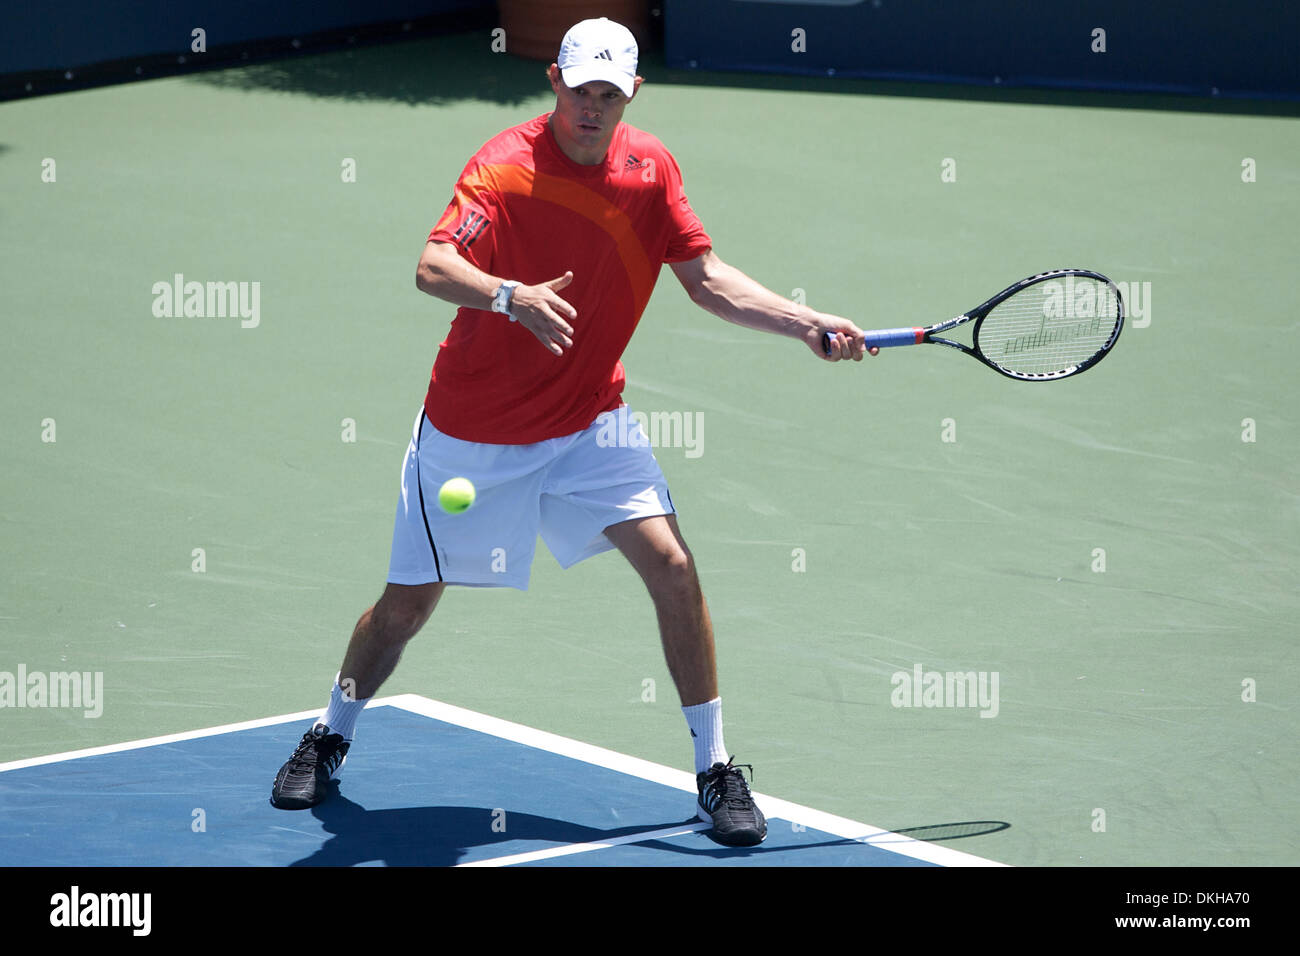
1051,326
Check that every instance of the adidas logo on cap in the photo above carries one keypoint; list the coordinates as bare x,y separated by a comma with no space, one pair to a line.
599,50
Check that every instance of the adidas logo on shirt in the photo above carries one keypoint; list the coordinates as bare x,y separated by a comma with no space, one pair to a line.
470,228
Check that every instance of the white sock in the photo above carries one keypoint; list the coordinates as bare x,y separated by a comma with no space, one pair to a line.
705,722
341,714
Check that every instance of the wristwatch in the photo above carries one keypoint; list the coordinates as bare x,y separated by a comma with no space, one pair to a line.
501,301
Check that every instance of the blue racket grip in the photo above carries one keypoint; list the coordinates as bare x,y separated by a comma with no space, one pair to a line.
883,339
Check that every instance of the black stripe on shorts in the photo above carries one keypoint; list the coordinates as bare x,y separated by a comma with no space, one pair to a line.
420,487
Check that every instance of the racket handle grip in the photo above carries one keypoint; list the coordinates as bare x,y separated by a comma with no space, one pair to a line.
882,339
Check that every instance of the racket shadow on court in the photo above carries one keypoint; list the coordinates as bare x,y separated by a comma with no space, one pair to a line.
776,853
940,832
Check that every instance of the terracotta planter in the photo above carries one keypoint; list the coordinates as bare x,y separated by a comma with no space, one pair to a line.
534,28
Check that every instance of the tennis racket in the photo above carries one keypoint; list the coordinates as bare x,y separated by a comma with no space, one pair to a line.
1041,329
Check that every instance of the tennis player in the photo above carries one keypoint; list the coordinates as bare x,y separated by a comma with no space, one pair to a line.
551,246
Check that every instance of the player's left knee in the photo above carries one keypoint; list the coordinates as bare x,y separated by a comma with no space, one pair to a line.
674,571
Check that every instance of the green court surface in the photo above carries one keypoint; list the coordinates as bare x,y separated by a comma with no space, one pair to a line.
1118,551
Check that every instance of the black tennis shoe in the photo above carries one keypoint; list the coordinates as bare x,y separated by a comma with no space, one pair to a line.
725,801
304,779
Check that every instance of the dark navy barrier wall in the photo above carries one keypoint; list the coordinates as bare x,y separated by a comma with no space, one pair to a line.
38,35
1183,46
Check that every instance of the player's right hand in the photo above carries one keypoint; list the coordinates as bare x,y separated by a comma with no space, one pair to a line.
847,341
541,310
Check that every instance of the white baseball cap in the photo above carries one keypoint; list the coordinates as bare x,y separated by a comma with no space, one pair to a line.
599,50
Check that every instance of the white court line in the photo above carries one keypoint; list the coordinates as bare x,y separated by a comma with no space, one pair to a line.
681,780
576,750
159,741
572,848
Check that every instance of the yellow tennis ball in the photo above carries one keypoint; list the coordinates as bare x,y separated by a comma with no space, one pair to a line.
456,495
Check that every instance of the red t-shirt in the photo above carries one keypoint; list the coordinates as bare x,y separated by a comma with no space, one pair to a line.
523,210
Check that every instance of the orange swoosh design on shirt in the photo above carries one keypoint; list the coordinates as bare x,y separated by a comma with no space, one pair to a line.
504,178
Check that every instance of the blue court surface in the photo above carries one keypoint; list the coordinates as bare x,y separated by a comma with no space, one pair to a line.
428,785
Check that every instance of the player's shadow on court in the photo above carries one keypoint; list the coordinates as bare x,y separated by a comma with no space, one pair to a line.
439,836
445,835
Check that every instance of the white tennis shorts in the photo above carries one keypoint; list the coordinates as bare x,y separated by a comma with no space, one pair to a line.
567,489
